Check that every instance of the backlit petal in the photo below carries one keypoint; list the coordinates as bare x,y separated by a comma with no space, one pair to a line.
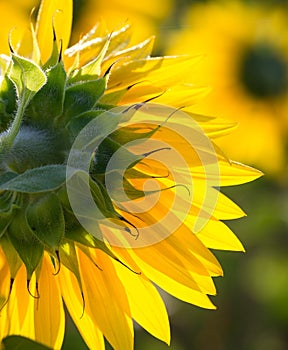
147,307
49,313
57,13
106,300
76,306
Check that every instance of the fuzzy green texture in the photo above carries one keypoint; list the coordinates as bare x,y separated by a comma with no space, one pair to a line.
42,110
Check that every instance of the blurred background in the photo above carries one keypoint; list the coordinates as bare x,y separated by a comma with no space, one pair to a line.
244,48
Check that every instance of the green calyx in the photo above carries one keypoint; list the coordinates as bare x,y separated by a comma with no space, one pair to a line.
42,109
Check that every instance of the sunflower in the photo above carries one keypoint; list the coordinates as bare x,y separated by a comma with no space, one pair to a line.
104,195
246,64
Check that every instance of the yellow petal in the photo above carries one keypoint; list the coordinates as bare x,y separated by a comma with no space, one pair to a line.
57,13
136,52
4,279
49,313
206,284
234,173
226,209
175,264
218,128
183,95
178,96
74,303
106,300
217,235
198,249
171,284
90,45
4,293
20,308
219,206
147,307
164,71
230,173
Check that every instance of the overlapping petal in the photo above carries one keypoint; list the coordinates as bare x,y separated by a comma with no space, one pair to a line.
48,257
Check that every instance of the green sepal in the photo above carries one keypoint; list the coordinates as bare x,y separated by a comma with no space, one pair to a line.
130,190
63,196
17,342
102,246
78,123
68,258
48,103
91,203
113,98
105,123
28,247
7,204
82,237
118,181
37,180
76,233
55,55
125,135
7,200
82,96
27,77
80,190
116,142
103,200
11,255
46,220
105,205
104,153
136,174
7,102
5,220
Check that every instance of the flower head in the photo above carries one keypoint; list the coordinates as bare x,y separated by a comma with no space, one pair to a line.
246,64
104,195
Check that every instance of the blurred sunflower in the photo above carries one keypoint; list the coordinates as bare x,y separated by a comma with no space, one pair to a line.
19,11
246,64
49,95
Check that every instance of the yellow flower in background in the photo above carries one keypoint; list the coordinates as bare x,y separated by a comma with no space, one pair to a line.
246,65
145,16
90,216
16,14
